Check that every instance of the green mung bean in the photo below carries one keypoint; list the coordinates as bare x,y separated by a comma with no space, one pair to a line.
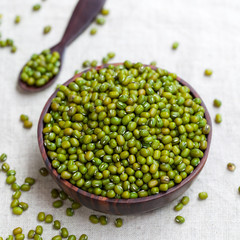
20,236
17,210
93,31
208,72
105,12
100,21
69,212
94,219
231,167
36,7
83,237
57,224
23,117
64,232
17,19
185,200
55,193
118,222
203,195
57,204
39,230
17,230
27,124
23,205
179,219
175,45
41,216
3,157
72,237
178,207
218,118
57,237
103,220
43,171
31,234
47,29
217,103
48,218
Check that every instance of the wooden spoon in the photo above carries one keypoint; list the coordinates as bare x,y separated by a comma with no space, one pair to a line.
83,14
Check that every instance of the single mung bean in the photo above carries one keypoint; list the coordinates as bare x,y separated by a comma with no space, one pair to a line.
57,237
93,31
64,232
39,230
17,210
30,180
25,187
17,194
118,222
55,193
178,207
36,7
231,167
218,118
185,200
43,171
217,103
57,204
103,220
10,179
23,205
23,117
20,236
5,167
111,55
179,219
17,230
203,195
41,216
17,19
72,237
76,205
48,218
47,29
105,12
86,64
31,234
57,224
83,237
27,124
100,20
69,212
208,72
3,157
94,219
175,45
37,237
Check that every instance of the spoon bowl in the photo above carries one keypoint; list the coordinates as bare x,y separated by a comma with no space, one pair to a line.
24,86
121,206
83,14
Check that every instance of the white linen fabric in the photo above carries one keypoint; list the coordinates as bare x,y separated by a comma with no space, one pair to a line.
208,32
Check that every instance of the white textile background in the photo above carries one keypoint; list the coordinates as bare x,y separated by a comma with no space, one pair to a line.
209,35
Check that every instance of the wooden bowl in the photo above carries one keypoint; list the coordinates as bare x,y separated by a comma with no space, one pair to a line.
121,206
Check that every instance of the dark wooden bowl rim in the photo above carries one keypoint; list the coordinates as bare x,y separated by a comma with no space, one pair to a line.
121,201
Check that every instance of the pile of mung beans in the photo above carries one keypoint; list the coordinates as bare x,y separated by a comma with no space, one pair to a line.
41,68
125,131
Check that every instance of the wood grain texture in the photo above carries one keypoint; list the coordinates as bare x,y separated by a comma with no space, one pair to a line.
83,14
122,206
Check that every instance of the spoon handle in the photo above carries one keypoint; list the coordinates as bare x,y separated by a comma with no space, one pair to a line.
84,12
